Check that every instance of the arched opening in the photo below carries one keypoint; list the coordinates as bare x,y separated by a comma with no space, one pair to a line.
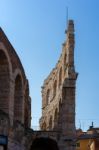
56,119
65,58
54,88
4,82
26,116
59,115
18,99
65,63
48,97
50,123
44,144
26,107
60,76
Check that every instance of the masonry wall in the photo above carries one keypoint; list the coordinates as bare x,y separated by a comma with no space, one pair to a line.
58,98
58,94
15,102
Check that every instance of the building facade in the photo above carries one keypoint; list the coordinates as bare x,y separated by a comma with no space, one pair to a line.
58,95
88,140
58,98
15,102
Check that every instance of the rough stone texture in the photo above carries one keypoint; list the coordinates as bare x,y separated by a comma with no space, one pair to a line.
58,98
15,103
58,95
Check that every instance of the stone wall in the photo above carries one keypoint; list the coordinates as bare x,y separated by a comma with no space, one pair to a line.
58,98
15,102
58,95
14,90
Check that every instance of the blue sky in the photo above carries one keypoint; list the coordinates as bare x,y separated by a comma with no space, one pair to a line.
36,30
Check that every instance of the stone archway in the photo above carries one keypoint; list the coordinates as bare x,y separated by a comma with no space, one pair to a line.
48,97
4,82
44,144
56,119
26,111
18,99
60,77
54,88
50,123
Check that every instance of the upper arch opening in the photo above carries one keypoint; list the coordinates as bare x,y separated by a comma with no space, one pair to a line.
18,98
4,82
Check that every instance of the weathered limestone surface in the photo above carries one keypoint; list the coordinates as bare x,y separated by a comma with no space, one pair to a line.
15,103
58,98
58,95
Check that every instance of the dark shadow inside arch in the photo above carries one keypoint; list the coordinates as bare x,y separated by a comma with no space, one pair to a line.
18,95
4,82
44,144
